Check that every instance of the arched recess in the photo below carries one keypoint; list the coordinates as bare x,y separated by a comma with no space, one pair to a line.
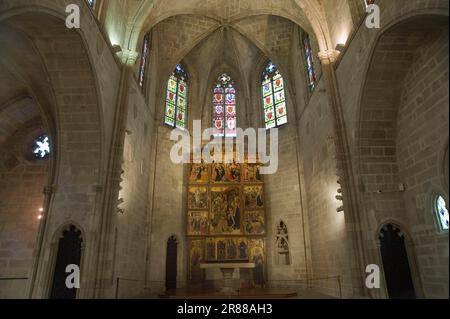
67,89
282,247
171,263
397,260
68,249
401,120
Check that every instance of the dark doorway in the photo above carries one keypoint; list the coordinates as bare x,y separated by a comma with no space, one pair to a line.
396,265
171,264
69,253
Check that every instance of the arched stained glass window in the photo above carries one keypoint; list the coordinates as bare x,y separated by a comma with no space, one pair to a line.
441,213
274,97
144,60
176,98
224,103
309,58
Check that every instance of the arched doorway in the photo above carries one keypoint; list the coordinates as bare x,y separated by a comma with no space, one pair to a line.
171,263
397,271
69,253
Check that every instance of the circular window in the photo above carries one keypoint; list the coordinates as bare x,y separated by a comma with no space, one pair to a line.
442,213
41,147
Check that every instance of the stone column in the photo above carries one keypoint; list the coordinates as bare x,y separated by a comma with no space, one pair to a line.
345,175
39,278
227,280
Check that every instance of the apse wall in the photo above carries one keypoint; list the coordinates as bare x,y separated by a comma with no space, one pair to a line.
168,210
284,204
422,140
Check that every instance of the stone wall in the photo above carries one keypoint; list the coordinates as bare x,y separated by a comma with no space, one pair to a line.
22,194
132,222
422,139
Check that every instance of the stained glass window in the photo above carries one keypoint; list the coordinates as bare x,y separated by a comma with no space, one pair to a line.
176,99
144,60
224,103
309,58
41,147
274,97
441,213
91,3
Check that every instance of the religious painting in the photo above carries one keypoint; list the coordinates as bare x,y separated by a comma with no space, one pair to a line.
256,255
226,249
198,197
197,223
232,250
242,248
233,172
225,215
252,173
199,173
253,197
211,252
218,173
221,245
226,173
254,222
196,253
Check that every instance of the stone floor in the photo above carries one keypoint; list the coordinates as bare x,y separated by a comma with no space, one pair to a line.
244,294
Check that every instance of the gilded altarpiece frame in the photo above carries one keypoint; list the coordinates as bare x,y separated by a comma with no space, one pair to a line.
226,217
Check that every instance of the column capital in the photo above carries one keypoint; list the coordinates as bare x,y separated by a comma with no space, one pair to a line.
329,56
129,57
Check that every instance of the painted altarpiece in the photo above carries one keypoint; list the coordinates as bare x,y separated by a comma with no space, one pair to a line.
226,217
